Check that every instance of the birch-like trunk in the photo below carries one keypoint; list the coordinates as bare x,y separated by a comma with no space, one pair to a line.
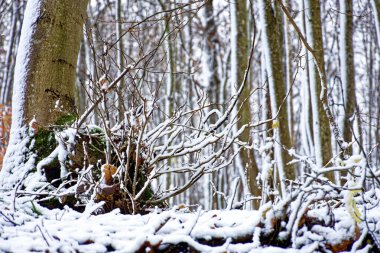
347,67
211,77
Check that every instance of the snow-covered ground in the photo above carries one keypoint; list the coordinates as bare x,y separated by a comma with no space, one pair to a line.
32,228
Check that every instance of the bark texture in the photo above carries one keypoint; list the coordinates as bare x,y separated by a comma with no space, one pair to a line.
51,68
45,73
243,105
211,51
348,74
320,120
274,40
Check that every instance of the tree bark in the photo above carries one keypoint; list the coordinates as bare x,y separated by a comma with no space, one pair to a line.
322,134
274,55
7,75
45,73
49,71
347,68
376,12
240,59
120,61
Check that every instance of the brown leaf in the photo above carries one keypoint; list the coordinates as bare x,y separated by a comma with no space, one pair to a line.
108,170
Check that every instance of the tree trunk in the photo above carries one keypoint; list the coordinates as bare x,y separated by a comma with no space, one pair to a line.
6,85
120,61
45,75
274,56
211,55
321,127
239,63
347,67
81,93
376,12
289,72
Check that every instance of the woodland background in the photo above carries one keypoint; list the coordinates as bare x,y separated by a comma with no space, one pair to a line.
225,105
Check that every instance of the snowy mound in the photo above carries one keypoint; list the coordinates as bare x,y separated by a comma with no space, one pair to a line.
33,228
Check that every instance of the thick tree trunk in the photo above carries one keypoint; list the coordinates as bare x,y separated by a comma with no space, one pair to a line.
45,75
48,67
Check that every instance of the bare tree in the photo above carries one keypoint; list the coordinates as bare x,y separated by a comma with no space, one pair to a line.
274,55
321,129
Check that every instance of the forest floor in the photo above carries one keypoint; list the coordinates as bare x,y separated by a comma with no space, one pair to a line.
27,227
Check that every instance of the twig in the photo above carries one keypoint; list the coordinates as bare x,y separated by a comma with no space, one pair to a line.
43,235
323,95
81,120
8,219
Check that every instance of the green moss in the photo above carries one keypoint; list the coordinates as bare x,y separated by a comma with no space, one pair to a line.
65,120
95,130
148,194
45,143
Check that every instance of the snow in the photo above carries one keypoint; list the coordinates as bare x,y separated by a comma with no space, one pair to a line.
25,226
274,105
67,230
313,91
32,13
16,162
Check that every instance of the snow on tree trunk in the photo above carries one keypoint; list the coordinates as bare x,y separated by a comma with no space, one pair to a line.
238,67
273,50
347,66
305,122
376,12
321,129
45,75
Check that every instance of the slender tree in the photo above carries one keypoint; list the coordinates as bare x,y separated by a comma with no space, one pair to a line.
274,57
8,70
321,129
376,13
211,72
239,63
120,58
347,67
211,53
